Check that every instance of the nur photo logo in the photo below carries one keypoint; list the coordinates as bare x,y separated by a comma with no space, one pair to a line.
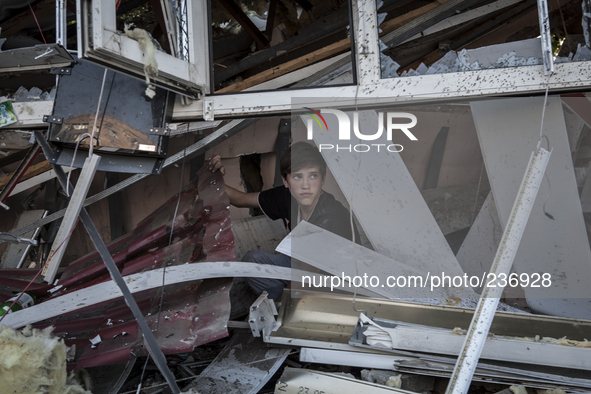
393,122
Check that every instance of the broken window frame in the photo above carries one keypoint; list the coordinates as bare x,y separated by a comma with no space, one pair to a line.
100,42
371,90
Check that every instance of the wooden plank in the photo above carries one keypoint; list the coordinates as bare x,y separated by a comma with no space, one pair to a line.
324,53
32,171
257,232
300,74
36,180
402,20
290,66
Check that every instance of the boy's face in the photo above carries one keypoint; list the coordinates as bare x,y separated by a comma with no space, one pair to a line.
305,185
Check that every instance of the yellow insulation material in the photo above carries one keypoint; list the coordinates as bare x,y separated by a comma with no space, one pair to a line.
32,361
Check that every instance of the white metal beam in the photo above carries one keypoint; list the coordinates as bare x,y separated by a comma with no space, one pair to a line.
484,314
367,49
352,359
70,218
426,339
107,291
415,90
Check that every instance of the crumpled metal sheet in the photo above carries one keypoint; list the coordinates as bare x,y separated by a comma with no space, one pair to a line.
244,366
193,313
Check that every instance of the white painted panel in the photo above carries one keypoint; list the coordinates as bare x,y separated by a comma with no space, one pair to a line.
508,131
385,199
342,258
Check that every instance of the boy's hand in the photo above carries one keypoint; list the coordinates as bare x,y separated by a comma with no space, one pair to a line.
215,164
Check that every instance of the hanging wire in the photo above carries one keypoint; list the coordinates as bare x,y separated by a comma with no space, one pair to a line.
36,21
165,259
178,202
98,107
548,142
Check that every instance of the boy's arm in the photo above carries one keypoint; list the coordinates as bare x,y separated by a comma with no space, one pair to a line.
237,198
242,200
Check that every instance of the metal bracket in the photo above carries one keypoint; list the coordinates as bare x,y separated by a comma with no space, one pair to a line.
208,110
53,119
159,131
262,316
61,71
7,237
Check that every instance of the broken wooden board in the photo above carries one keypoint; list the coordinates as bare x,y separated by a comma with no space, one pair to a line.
259,232
31,172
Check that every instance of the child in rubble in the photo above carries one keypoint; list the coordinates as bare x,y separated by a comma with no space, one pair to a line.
301,197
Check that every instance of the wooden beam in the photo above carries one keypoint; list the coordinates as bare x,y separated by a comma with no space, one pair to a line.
25,18
324,53
32,171
319,29
290,66
401,20
475,34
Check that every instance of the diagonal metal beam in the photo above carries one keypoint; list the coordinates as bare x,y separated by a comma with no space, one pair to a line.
246,23
152,345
